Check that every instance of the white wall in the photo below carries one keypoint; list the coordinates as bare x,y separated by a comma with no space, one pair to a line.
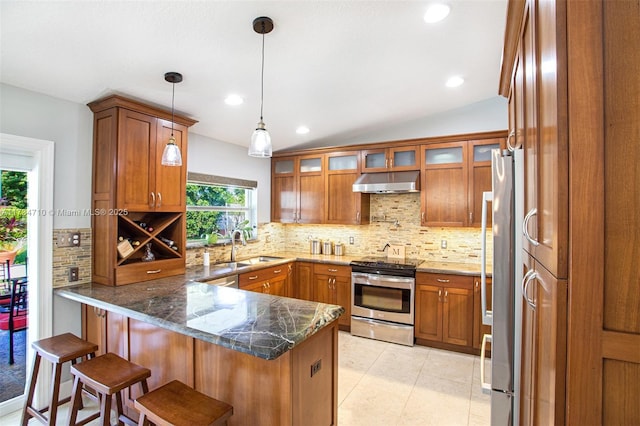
69,125
484,116
217,158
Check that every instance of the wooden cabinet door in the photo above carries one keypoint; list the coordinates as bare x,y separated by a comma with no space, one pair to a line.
444,184
276,287
428,319
343,206
374,160
457,312
529,347
343,298
136,161
303,282
323,291
404,158
94,327
283,190
480,177
170,181
479,329
311,194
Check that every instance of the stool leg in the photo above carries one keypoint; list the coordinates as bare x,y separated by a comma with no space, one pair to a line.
142,420
32,387
76,394
119,409
55,391
105,410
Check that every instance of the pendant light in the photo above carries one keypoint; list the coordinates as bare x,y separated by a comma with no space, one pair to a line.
260,140
171,155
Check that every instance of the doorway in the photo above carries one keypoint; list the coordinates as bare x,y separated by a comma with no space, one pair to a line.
35,157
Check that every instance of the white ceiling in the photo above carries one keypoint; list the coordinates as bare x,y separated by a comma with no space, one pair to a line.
338,67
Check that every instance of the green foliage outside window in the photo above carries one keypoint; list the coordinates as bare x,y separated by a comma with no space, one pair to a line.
13,213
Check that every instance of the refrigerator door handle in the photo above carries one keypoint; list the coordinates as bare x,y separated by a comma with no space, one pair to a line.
487,316
486,387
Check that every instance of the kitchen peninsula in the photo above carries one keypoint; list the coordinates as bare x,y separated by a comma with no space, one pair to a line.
273,358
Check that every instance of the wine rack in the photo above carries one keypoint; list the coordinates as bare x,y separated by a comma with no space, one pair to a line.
159,229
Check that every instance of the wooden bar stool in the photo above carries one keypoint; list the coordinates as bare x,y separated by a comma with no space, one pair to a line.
58,350
176,404
107,374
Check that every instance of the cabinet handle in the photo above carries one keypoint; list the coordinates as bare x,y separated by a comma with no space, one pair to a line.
422,216
159,199
439,295
155,271
486,386
509,146
334,283
391,163
386,163
358,217
99,312
446,294
153,199
277,271
264,285
255,277
470,217
529,276
525,226
332,270
442,280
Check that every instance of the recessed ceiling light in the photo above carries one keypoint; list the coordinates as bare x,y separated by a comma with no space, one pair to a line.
455,81
302,130
233,100
436,12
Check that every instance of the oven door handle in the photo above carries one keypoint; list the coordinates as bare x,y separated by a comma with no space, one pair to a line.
382,280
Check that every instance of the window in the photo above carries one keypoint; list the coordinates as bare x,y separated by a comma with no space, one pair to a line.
217,205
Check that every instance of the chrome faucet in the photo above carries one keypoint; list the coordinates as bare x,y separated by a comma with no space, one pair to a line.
234,249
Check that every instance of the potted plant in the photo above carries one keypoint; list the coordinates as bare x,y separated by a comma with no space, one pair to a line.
13,231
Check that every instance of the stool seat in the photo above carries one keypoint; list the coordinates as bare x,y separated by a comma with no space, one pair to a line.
108,375
57,350
177,404
63,348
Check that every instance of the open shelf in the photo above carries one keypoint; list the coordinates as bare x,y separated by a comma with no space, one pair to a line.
164,231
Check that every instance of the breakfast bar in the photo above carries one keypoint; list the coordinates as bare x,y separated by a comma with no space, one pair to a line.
274,359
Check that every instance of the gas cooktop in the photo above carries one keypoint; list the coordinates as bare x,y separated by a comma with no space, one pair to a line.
386,266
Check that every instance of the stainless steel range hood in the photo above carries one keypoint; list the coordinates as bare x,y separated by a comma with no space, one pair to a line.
388,182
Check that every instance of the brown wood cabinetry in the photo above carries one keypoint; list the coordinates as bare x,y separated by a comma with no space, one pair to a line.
104,329
479,329
332,284
390,159
343,206
454,176
303,281
134,196
272,280
444,309
298,189
544,346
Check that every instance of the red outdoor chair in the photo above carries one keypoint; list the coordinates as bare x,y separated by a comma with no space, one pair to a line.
14,311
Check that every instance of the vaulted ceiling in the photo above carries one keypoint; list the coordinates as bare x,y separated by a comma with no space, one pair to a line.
337,67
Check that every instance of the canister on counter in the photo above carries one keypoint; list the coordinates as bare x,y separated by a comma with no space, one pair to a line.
315,246
338,249
327,247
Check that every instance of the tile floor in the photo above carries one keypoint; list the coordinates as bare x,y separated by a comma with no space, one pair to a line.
386,384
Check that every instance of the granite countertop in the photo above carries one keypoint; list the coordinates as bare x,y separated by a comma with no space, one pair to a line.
258,324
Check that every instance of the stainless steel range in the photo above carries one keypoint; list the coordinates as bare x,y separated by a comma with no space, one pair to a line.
382,299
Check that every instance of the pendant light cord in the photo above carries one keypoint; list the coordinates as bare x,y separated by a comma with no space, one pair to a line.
173,97
262,74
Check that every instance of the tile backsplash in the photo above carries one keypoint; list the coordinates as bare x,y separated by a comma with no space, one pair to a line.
395,220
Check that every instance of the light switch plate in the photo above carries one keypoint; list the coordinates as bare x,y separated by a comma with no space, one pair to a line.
68,239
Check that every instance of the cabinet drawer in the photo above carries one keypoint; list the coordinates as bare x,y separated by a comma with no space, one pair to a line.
333,270
144,271
265,274
444,280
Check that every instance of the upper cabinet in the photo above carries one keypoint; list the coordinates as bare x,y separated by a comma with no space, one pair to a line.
298,189
343,206
136,200
391,159
143,184
454,176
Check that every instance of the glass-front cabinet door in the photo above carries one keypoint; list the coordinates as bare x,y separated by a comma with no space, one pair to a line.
390,159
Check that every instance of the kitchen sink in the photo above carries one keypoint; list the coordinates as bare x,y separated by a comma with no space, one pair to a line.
247,262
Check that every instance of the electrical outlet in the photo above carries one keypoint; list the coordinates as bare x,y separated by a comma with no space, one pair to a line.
68,239
443,244
74,273
351,240
315,367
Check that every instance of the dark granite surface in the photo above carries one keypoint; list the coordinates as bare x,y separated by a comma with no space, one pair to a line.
258,324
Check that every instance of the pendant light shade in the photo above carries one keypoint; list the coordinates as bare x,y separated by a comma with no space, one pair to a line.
261,140
171,155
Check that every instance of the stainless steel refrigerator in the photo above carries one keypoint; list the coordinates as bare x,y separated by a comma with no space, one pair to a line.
505,317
